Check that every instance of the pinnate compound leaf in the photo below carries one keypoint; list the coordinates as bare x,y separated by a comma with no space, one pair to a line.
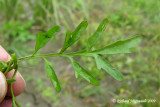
72,37
43,38
120,46
96,36
103,64
82,72
52,76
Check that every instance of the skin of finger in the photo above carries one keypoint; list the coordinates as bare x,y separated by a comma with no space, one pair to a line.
4,56
19,84
7,102
3,86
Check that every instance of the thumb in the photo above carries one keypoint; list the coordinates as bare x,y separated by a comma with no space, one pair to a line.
3,86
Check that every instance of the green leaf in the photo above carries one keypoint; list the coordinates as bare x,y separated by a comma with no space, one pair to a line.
51,32
96,36
76,74
103,64
52,75
14,57
3,66
82,72
43,38
71,38
9,81
68,35
125,46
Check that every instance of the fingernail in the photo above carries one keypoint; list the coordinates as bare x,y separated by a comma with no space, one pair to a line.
4,56
3,86
18,86
22,78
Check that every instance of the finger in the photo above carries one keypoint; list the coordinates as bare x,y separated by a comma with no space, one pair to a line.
3,86
4,56
7,102
18,86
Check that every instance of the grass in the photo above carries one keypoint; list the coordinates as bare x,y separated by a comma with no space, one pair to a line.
127,18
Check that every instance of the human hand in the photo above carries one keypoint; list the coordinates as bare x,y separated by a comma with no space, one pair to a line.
18,85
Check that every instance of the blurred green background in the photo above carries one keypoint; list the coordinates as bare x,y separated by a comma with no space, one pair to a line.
20,20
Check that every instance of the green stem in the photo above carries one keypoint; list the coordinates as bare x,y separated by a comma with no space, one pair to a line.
9,66
56,55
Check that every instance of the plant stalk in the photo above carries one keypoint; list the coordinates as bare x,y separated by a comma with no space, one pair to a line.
56,55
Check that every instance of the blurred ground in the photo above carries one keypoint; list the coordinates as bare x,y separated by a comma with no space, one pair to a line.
21,20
